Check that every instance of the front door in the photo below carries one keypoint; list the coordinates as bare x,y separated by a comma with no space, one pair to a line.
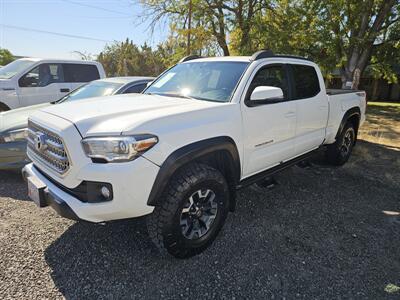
269,128
44,83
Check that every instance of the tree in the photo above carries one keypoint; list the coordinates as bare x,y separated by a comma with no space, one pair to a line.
217,17
175,47
348,35
359,30
5,57
127,59
83,55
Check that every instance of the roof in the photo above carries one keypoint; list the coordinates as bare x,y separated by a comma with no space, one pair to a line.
246,59
126,79
223,58
35,59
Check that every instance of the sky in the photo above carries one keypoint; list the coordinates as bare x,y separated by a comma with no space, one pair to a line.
57,28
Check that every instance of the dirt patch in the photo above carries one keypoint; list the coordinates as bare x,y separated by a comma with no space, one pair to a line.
382,125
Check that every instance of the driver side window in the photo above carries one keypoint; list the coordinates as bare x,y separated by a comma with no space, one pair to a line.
275,76
42,75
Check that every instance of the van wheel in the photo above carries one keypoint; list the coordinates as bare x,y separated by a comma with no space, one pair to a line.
3,107
338,153
193,211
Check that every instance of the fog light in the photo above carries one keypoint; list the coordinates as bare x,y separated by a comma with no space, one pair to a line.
105,192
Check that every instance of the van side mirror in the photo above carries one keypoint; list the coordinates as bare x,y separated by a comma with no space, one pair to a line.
261,93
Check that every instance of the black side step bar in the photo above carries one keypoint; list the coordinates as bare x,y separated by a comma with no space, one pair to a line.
284,165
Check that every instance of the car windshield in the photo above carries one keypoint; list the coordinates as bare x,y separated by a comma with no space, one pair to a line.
14,68
92,89
211,81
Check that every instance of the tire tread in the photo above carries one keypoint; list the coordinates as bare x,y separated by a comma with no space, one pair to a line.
162,214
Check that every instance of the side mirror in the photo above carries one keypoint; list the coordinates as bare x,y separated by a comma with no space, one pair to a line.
149,83
261,93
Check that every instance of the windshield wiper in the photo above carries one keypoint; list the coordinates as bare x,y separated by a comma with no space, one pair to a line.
171,95
183,96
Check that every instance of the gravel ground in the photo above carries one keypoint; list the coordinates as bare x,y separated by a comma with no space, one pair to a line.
320,233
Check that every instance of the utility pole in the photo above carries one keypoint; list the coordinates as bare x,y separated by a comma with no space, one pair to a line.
189,27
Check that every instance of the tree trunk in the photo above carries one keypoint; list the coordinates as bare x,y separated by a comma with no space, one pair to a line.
347,77
374,95
360,54
352,71
188,51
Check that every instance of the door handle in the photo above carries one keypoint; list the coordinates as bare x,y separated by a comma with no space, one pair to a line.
64,90
290,114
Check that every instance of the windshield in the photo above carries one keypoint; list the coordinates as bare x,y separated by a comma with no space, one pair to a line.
212,81
14,68
92,89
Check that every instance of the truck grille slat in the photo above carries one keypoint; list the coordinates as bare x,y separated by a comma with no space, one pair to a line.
53,153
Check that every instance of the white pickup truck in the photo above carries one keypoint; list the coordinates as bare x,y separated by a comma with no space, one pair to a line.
29,81
179,151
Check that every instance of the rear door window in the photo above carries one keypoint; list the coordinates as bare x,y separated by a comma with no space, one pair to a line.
80,73
306,82
137,88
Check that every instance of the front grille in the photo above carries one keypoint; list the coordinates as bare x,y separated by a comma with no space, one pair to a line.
47,147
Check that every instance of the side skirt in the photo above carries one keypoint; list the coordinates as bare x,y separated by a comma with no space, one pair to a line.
282,166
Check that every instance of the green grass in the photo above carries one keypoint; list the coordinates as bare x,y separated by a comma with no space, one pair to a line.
395,104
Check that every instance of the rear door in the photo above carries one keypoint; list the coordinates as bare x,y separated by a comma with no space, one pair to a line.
311,106
269,127
41,84
78,74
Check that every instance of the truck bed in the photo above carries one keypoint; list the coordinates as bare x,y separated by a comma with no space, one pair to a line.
332,92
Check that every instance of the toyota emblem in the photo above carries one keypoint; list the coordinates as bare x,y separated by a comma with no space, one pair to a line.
40,142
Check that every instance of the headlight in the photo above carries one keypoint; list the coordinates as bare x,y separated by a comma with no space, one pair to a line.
14,136
118,148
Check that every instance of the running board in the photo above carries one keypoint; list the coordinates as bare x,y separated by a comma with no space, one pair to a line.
268,173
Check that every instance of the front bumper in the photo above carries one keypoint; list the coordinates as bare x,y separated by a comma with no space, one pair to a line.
48,198
13,155
131,182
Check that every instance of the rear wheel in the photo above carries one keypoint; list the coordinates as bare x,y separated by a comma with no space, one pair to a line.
192,213
339,152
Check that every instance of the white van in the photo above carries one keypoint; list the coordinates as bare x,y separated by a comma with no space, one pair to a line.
29,81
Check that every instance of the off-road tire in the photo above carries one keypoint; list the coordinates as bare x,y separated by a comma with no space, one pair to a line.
339,153
164,224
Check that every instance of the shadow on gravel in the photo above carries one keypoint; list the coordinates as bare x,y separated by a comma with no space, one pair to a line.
12,185
321,233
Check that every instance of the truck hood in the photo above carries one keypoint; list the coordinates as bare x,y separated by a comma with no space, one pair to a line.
18,118
122,113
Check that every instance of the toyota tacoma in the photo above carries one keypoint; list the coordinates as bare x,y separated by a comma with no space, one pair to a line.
179,151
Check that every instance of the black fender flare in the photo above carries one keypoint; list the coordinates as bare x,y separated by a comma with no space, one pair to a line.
191,152
354,111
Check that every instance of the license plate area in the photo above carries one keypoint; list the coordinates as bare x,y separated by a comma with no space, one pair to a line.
36,191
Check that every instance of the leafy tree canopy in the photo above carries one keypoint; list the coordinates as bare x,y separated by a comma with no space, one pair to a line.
349,35
125,58
5,57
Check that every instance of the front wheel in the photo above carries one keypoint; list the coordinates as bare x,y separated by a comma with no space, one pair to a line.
339,152
193,211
